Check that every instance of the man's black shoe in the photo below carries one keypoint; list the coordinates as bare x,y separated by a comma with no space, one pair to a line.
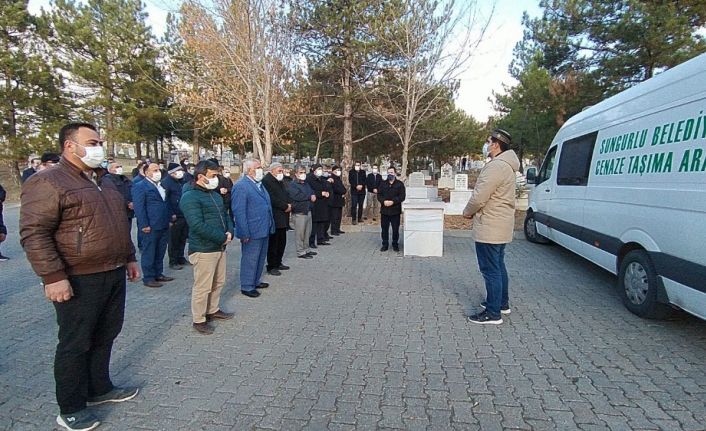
283,267
164,278
383,248
203,328
115,395
274,271
153,284
80,421
312,253
262,285
340,232
219,315
396,247
354,222
305,256
323,243
250,293
484,318
4,258
184,262
313,246
175,266
334,233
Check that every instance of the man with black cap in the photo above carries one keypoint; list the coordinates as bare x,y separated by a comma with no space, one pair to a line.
357,179
391,194
48,160
320,213
492,209
281,208
178,230
124,186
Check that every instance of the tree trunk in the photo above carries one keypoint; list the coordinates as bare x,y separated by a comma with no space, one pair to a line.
196,147
347,122
109,151
138,150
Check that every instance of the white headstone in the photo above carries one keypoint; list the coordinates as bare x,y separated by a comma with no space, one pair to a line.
461,182
446,180
416,179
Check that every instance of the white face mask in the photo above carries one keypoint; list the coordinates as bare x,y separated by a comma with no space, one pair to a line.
357,168
338,173
258,174
226,174
179,175
191,171
318,172
279,177
486,150
375,170
302,177
212,183
157,176
118,171
94,156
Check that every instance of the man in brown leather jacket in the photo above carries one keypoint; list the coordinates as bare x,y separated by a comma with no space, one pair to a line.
77,241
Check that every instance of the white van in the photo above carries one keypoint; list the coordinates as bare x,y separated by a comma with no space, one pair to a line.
623,184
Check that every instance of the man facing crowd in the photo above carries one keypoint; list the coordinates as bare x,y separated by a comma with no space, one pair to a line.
320,213
77,241
210,231
391,195
357,179
303,199
281,207
492,208
372,183
252,214
150,203
34,163
124,186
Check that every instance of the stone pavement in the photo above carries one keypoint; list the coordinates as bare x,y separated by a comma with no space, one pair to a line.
358,339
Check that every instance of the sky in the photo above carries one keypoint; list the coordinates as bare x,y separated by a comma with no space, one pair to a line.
488,68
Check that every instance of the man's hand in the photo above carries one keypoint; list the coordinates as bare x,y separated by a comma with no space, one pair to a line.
173,218
388,203
359,187
146,229
130,206
375,191
245,240
133,271
60,291
229,238
3,237
224,190
313,198
289,208
330,180
324,194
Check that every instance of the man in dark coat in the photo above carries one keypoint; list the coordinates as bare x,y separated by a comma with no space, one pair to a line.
178,230
372,183
281,208
391,195
124,186
356,178
225,187
320,213
34,163
337,201
3,228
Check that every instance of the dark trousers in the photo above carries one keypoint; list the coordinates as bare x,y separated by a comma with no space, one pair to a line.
154,245
88,324
318,232
491,262
336,216
178,233
357,202
275,248
385,222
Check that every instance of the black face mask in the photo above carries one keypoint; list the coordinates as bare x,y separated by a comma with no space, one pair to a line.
391,177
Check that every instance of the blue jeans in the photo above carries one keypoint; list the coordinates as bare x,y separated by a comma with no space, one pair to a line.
153,248
252,263
491,261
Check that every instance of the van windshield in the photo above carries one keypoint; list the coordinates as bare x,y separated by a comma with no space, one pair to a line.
546,171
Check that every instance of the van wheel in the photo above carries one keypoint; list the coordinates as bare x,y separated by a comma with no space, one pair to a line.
639,286
531,230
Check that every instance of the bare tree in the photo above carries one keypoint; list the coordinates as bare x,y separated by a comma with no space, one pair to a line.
428,48
242,50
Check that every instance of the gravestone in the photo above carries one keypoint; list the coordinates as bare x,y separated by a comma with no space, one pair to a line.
446,180
416,179
461,182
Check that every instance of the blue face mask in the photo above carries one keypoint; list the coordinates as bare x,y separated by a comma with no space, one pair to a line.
390,177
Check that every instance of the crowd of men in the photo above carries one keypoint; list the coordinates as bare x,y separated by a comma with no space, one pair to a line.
75,227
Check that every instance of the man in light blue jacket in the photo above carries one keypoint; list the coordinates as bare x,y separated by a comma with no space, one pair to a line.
252,214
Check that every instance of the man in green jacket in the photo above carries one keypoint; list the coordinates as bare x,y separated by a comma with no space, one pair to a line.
210,231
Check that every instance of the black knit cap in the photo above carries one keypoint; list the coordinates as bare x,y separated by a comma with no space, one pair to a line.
502,136
173,167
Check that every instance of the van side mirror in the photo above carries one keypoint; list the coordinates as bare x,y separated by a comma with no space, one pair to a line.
531,175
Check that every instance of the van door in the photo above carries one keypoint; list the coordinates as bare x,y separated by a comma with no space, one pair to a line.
569,198
543,193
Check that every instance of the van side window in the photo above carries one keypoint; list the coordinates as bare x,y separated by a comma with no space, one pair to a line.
575,160
546,171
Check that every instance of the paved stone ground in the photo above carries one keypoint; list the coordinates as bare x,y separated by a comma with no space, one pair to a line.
358,339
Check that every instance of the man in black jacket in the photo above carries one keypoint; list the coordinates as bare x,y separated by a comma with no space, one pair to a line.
356,178
337,201
281,208
320,214
174,183
372,183
3,228
124,186
391,195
